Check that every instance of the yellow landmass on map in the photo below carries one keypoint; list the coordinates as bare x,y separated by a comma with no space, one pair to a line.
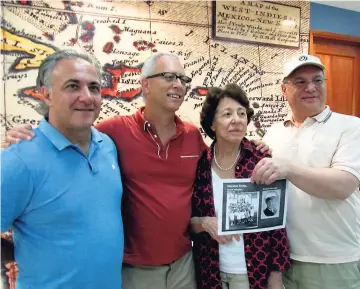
13,43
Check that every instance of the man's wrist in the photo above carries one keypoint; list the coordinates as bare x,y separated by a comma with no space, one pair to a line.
292,170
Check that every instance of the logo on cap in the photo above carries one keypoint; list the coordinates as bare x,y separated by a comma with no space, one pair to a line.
303,58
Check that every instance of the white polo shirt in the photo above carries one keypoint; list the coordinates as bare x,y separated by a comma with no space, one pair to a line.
321,230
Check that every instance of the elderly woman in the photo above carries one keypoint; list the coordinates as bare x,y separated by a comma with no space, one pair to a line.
253,260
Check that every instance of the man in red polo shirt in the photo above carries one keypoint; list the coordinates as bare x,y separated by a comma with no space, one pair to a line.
158,154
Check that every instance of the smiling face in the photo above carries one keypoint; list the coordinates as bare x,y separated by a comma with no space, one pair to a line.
306,91
230,121
75,97
161,93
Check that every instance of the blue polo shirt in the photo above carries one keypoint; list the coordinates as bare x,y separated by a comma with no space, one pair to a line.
64,208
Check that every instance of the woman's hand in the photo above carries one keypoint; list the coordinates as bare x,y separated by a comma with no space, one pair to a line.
275,280
210,225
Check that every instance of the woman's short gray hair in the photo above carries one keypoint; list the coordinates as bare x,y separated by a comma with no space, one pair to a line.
47,66
149,64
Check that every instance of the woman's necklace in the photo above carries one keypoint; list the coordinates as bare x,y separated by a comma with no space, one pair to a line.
220,167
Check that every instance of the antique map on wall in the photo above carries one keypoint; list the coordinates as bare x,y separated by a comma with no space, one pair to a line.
121,35
257,22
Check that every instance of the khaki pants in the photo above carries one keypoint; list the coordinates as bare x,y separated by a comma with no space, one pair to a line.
234,281
177,275
304,275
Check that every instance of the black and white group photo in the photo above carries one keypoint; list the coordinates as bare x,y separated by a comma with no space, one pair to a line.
243,210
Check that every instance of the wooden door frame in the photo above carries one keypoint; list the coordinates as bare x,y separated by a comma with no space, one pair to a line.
355,40
346,39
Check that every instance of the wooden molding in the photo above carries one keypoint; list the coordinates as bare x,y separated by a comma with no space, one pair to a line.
316,36
329,35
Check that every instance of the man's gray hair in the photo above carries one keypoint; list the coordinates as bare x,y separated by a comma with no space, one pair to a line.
149,64
47,66
42,108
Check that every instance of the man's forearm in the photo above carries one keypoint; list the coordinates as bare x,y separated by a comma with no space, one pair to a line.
326,183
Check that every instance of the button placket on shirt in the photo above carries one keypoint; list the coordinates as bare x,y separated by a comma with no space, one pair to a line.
156,140
149,129
87,158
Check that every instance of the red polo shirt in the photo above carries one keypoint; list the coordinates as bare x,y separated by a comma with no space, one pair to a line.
158,184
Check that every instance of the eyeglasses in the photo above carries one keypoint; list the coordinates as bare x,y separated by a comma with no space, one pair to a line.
172,77
301,84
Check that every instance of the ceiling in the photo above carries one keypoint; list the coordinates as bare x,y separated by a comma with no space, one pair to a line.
350,5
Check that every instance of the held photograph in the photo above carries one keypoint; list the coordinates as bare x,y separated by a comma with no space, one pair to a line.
248,207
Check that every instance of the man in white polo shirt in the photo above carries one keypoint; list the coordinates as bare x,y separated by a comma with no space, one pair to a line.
318,151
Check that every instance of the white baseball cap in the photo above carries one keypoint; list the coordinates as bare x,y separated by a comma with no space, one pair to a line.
270,195
301,60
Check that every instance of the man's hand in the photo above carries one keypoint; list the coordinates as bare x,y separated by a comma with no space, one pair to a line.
269,170
20,132
261,146
210,225
11,273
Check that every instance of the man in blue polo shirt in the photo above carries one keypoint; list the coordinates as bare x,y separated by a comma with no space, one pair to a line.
61,193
